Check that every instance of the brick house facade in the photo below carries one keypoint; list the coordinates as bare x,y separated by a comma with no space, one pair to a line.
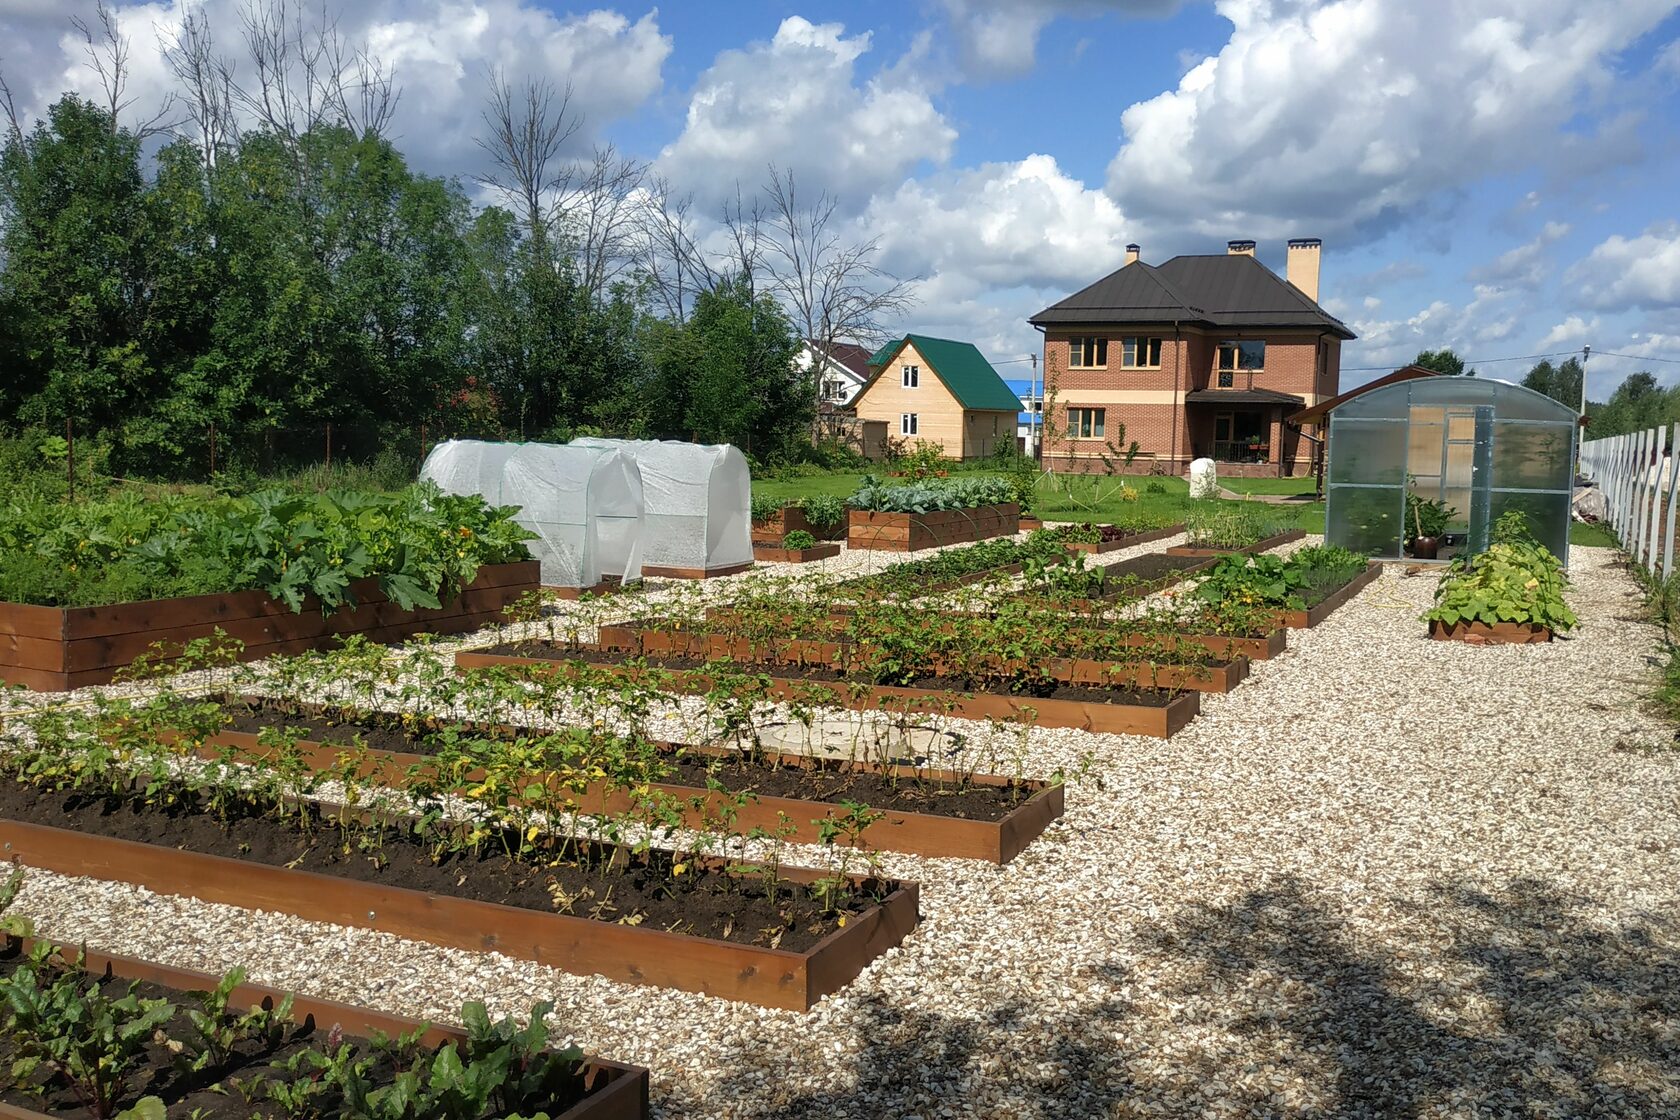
1202,356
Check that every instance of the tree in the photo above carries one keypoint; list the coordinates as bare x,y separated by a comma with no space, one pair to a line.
1443,361
1560,382
833,289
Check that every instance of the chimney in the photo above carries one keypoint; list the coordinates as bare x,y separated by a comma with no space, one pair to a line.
1132,253
1239,248
1303,265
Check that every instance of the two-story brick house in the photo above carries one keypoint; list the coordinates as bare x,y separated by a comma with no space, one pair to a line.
1202,356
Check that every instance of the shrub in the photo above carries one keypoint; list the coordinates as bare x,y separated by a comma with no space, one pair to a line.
824,510
798,539
1516,580
764,508
923,460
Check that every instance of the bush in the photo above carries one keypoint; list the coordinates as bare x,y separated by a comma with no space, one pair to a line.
798,539
765,508
923,460
1516,580
824,510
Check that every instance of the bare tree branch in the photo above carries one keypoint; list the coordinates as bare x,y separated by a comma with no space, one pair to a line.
14,121
108,52
208,81
527,130
667,250
597,218
832,286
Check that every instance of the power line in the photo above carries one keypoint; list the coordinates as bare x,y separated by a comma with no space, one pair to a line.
1637,357
1483,361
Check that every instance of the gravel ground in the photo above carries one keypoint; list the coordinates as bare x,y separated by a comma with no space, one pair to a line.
1384,877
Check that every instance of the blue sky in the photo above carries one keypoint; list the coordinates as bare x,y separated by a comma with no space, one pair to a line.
1499,176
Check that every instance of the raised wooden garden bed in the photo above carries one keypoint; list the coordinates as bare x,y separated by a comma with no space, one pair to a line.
911,532
630,954
1130,540
643,641
608,586
60,648
1158,720
658,571
776,554
924,834
1028,523
1318,612
614,1091
789,519
1257,546
1484,634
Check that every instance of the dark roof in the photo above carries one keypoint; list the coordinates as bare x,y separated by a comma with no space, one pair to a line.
962,368
849,354
1317,413
1233,290
1240,396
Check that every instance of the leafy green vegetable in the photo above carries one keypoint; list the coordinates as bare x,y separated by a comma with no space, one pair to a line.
931,495
798,539
1516,580
420,543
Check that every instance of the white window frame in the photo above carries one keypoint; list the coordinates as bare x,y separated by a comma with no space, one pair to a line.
908,422
910,377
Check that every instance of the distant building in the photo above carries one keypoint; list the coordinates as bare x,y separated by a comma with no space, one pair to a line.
842,370
1202,356
941,391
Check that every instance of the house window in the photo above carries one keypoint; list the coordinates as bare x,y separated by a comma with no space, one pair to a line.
834,389
1088,353
1248,356
911,376
1086,423
1227,379
1140,353
907,423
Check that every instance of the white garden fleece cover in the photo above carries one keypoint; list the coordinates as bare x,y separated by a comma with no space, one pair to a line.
698,502
584,503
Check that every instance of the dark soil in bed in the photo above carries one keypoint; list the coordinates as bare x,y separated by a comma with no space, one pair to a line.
820,780
1037,690
217,1092
587,881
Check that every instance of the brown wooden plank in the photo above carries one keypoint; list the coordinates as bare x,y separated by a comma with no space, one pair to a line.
26,621
634,955
46,654
1124,719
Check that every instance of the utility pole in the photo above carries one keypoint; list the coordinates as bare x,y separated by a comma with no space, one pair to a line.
1586,352
1034,409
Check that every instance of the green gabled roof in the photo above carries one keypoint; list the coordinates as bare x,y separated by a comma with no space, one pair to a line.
962,368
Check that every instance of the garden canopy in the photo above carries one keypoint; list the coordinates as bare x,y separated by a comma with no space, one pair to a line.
584,504
698,501
1484,447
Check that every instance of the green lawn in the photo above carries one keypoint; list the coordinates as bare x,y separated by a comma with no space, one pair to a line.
1078,497
1594,536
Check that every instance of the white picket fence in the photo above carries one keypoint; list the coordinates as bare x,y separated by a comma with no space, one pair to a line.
1639,474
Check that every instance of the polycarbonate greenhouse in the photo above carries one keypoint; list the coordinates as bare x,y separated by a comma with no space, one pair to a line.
1484,447
584,504
698,502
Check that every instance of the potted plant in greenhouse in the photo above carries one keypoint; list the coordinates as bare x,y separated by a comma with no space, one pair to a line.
1429,518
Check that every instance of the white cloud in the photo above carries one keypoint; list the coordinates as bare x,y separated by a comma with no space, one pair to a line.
1526,265
1627,272
795,102
1573,329
1025,223
440,51
999,38
1322,118
1486,320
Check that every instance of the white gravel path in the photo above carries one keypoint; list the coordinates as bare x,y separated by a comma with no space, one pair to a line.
1384,877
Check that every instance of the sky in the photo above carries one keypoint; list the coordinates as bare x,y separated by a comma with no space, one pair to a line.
1501,177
